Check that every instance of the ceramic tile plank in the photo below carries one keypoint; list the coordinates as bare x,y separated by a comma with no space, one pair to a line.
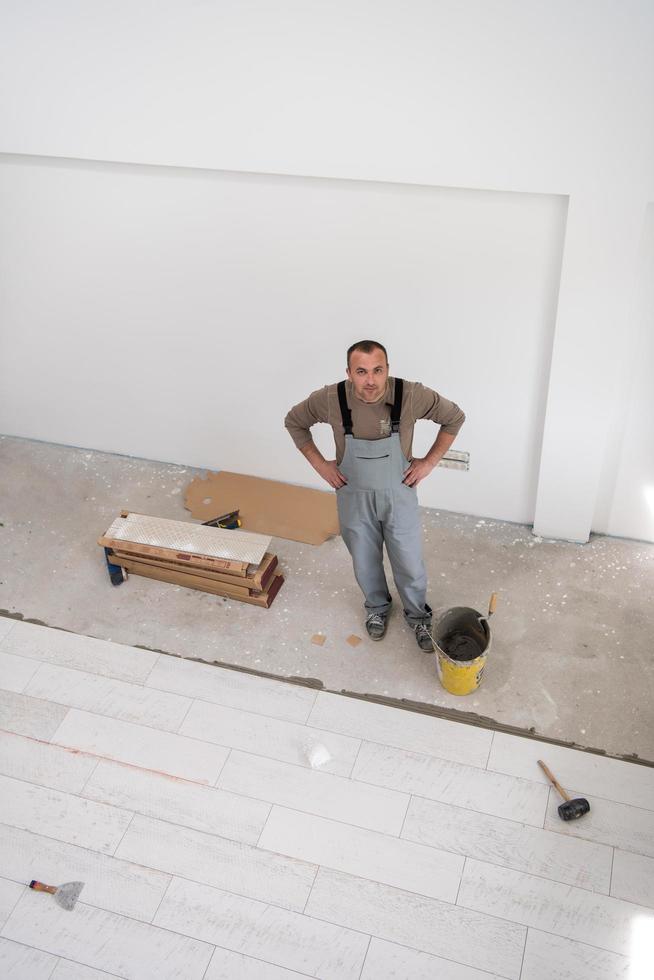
43,763
270,737
628,827
364,853
393,962
16,672
612,779
67,970
509,844
212,860
19,962
633,878
106,941
29,716
10,892
61,816
107,696
550,957
285,939
572,913
213,811
5,626
110,884
314,792
227,965
232,689
425,924
401,729
451,782
123,741
80,652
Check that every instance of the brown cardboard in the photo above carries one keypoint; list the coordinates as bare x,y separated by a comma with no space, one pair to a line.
266,506
257,582
162,574
167,554
318,639
353,640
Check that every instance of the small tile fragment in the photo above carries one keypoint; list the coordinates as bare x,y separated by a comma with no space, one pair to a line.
318,639
353,640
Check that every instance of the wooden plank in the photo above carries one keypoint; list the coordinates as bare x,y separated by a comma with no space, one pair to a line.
167,554
264,599
256,582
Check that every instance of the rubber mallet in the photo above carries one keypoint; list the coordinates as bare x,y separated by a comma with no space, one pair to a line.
571,809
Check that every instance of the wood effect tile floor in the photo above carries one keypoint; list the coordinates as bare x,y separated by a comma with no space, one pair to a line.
184,796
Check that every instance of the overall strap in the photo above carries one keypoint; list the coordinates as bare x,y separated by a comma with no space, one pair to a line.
346,414
396,410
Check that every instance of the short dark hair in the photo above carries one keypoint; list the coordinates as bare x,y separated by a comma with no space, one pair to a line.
366,347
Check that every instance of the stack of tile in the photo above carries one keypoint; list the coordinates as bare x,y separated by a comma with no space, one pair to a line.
234,564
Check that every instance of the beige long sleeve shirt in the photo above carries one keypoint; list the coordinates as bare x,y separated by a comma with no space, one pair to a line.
372,420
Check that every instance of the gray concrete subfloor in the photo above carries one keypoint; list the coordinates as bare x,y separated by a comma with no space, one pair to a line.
572,636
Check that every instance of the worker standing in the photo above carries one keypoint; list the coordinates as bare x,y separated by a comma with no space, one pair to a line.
375,476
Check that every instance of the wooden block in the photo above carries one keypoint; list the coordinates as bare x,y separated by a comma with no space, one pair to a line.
162,574
255,583
167,554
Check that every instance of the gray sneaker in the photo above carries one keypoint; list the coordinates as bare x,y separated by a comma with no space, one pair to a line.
376,625
423,637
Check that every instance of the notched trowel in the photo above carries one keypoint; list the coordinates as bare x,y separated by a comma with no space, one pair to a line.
64,895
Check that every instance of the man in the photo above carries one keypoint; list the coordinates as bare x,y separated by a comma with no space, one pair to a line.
375,476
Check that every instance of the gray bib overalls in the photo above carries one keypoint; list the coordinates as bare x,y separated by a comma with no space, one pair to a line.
375,508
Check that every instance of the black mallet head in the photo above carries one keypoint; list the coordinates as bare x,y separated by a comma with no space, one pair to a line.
573,809
570,809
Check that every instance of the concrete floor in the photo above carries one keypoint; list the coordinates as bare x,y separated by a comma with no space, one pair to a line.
572,636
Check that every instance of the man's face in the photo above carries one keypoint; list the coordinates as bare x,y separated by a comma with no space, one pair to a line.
369,374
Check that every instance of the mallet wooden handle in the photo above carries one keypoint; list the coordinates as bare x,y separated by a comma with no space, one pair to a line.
553,781
38,886
492,603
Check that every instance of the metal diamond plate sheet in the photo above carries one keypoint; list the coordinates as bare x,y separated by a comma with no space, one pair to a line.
193,539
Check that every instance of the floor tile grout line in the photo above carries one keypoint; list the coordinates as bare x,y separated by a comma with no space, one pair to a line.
406,813
163,895
191,702
463,868
311,887
613,849
220,772
490,749
129,824
524,951
350,775
257,845
365,957
86,781
144,682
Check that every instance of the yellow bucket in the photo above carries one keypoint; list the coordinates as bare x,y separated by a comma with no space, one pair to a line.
462,638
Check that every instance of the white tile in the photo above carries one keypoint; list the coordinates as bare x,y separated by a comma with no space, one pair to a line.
402,729
612,779
286,939
365,853
426,924
633,878
509,844
110,884
178,801
388,961
15,672
30,716
226,965
314,791
82,652
232,688
10,892
138,745
269,737
227,864
43,763
5,626
451,782
18,962
61,816
107,696
67,970
106,941
572,913
550,957
617,824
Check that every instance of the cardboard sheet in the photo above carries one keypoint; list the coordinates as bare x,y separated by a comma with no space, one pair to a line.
266,506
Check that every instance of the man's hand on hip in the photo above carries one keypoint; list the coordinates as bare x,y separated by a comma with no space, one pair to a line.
330,472
417,471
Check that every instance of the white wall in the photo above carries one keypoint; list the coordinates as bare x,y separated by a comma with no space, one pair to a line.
541,99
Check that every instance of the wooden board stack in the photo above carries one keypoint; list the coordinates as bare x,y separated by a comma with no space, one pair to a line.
256,583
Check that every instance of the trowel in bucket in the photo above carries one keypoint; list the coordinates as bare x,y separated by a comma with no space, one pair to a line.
64,895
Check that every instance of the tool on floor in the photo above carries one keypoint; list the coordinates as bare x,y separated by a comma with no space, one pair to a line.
64,895
228,521
462,639
571,809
